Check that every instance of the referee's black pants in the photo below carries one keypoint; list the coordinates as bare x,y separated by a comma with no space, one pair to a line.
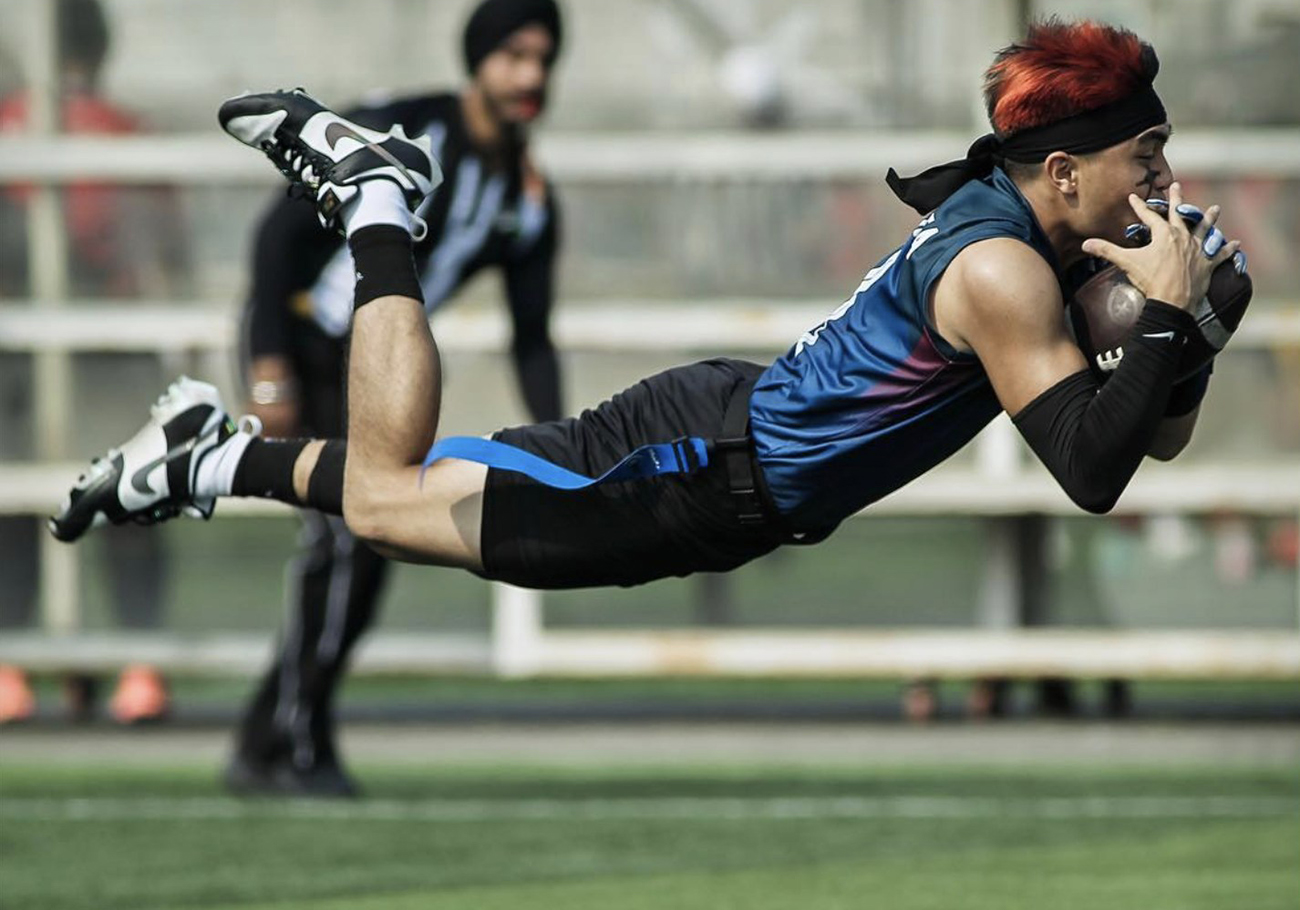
332,591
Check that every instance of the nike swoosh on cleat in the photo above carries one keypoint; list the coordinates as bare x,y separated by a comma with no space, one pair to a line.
336,131
140,479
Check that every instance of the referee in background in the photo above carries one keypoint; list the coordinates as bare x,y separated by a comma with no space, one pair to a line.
494,210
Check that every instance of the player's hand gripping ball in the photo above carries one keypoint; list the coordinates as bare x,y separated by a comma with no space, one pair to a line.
1103,310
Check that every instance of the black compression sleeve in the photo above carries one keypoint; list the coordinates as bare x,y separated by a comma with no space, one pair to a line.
1186,396
1093,440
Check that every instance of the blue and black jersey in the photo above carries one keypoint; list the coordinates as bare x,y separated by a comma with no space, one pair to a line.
873,396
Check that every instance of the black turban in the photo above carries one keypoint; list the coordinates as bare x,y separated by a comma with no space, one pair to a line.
495,20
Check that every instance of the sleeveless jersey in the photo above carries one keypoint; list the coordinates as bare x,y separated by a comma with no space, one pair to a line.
873,397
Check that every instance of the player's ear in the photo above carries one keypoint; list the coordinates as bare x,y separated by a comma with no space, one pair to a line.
1062,170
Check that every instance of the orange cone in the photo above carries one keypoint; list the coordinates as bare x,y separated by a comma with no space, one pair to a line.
141,696
16,699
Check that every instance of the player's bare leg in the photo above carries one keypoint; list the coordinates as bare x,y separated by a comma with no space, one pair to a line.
394,394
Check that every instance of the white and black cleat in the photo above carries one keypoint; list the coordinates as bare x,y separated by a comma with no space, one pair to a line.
329,155
150,477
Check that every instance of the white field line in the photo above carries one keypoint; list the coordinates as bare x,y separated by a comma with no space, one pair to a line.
634,809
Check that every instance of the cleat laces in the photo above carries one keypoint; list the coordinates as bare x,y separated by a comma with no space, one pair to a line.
300,168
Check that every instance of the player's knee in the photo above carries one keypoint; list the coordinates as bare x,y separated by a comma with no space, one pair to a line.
363,510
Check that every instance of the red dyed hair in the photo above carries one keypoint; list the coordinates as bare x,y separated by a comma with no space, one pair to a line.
1062,69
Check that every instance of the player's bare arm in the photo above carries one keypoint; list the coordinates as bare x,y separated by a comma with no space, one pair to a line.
1000,299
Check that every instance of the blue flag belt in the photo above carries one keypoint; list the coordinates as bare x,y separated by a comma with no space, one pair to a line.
681,456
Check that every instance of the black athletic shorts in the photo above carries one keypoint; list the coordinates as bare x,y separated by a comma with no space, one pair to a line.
625,532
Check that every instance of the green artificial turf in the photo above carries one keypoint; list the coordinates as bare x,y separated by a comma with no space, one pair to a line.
709,837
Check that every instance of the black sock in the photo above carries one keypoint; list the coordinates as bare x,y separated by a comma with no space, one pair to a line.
266,470
384,264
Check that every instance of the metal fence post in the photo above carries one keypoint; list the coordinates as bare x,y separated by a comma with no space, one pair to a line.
48,270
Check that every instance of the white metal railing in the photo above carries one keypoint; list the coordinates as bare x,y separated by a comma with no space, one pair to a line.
964,653
209,158
715,325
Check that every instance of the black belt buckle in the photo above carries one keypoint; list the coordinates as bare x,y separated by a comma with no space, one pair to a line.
749,507
686,454
737,453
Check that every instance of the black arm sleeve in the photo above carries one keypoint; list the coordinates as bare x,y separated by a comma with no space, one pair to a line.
289,250
1186,396
1093,440
530,290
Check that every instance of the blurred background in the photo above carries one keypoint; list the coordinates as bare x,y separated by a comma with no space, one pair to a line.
698,743
720,168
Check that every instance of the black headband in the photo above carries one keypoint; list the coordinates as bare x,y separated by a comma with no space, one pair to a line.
1090,131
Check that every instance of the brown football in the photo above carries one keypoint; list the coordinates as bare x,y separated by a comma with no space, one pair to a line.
1104,308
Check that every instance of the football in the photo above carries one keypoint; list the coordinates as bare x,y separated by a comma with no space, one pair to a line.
1103,310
